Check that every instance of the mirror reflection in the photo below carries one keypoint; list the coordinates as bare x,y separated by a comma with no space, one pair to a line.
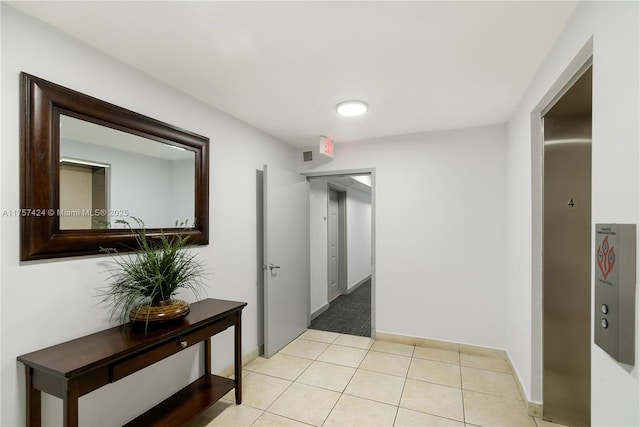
84,194
107,175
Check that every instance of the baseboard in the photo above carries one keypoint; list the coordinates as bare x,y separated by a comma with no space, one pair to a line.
319,311
357,285
422,342
246,359
534,409
443,345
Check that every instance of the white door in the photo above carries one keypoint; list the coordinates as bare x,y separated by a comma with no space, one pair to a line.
286,257
333,244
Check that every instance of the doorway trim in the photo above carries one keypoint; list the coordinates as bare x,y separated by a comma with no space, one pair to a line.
372,172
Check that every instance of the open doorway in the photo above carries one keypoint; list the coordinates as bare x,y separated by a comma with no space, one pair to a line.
341,254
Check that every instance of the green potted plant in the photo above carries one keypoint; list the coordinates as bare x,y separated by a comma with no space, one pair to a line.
144,282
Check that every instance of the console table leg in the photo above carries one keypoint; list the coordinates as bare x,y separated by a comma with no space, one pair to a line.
207,356
238,358
70,405
34,408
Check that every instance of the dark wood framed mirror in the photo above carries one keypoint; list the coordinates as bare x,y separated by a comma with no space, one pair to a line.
155,172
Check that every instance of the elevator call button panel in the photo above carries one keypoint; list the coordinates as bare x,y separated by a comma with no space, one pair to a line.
615,290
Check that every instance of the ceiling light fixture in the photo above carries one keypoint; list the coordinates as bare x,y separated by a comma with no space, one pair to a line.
352,108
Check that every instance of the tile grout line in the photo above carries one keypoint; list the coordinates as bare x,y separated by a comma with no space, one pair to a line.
404,385
345,387
464,413
294,381
266,410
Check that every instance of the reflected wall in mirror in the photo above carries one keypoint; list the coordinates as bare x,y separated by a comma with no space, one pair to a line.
147,180
85,164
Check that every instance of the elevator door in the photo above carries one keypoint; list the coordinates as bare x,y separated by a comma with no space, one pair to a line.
567,260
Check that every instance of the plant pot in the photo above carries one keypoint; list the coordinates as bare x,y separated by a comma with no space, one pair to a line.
168,311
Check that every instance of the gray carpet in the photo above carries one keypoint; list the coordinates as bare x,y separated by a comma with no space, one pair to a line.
348,314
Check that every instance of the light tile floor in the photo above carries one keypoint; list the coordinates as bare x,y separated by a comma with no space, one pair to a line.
328,379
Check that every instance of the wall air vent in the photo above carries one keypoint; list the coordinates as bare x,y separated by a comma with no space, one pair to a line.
307,156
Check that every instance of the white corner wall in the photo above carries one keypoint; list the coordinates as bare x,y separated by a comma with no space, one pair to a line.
439,232
1,205
47,302
358,237
611,31
318,244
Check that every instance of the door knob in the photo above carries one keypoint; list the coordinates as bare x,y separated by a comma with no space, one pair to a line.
273,267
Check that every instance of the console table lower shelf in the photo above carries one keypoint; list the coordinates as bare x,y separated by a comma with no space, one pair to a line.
179,408
75,368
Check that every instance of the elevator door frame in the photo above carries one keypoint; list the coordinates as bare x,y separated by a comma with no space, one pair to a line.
539,247
533,345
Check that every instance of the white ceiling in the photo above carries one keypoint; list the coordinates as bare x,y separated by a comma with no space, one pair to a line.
283,66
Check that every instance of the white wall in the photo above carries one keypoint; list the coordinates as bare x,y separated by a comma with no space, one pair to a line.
182,191
358,237
611,31
46,302
358,213
2,180
158,191
440,234
318,243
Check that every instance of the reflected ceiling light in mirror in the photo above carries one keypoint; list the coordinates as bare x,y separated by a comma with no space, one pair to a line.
352,108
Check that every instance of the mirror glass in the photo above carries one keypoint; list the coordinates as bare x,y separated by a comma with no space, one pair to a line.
108,175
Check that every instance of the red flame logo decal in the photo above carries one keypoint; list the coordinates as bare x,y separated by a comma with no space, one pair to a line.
606,257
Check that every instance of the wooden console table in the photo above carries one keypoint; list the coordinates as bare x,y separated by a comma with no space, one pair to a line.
75,368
